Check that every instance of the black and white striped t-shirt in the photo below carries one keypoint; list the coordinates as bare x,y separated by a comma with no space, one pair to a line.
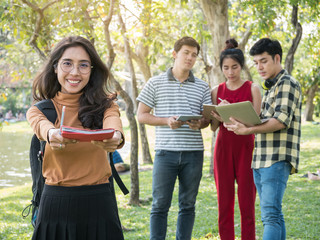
168,97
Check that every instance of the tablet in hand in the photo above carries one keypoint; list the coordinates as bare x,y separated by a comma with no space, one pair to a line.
185,118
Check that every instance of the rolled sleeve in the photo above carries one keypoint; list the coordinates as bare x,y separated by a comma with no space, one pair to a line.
286,102
112,120
147,95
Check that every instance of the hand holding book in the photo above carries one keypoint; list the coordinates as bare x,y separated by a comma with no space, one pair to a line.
240,111
111,144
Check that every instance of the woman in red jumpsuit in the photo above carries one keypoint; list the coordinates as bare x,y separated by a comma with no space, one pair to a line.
233,153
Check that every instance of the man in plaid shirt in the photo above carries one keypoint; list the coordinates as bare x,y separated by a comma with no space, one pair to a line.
277,142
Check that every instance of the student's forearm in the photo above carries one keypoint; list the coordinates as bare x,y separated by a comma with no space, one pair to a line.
147,118
271,125
215,124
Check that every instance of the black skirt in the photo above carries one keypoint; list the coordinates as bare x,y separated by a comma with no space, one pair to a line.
76,213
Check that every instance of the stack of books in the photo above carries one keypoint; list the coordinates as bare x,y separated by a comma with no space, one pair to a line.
86,135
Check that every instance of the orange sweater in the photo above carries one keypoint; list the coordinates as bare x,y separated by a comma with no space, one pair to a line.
77,164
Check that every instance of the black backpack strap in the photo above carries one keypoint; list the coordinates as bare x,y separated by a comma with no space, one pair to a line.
36,154
116,176
47,108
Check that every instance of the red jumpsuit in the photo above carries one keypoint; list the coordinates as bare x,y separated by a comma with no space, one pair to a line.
232,162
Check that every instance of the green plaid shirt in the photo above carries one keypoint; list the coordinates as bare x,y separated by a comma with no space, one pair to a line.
282,102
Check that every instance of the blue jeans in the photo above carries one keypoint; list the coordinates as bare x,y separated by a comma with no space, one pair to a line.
271,184
168,165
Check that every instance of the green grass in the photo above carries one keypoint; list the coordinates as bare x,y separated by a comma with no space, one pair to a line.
301,203
16,127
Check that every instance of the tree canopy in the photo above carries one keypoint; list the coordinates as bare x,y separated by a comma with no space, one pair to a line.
135,38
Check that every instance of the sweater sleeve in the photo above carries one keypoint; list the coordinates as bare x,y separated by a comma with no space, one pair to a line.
39,123
112,120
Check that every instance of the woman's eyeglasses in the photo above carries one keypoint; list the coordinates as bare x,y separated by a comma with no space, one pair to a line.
68,66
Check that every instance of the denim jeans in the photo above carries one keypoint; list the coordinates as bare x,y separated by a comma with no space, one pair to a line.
271,184
168,165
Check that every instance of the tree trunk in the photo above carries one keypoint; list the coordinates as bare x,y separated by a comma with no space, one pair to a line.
142,51
216,14
131,107
308,113
209,72
207,63
134,193
107,37
146,156
295,41
141,60
242,46
141,56
128,54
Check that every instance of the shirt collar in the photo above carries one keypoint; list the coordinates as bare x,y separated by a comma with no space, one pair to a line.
279,75
172,78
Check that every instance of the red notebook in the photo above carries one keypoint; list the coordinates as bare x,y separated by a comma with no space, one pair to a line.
85,135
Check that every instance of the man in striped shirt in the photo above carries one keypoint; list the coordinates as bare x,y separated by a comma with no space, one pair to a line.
277,143
179,145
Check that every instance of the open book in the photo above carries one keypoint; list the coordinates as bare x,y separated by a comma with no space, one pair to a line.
241,111
86,135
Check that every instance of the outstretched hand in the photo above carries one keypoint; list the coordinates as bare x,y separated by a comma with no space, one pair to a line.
56,141
110,145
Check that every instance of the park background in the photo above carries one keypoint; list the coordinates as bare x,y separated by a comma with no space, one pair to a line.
135,39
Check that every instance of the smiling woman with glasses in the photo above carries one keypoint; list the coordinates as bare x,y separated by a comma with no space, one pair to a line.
78,200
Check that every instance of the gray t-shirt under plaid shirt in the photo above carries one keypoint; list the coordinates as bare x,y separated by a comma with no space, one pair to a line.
282,102
168,97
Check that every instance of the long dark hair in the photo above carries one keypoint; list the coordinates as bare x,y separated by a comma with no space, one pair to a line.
95,98
231,51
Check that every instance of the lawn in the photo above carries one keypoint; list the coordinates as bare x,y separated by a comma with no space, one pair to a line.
301,203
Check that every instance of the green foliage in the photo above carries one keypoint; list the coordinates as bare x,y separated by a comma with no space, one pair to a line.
270,15
22,30
156,24
18,63
16,99
307,69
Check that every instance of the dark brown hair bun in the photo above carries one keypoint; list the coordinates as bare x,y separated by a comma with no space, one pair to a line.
231,43
231,51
